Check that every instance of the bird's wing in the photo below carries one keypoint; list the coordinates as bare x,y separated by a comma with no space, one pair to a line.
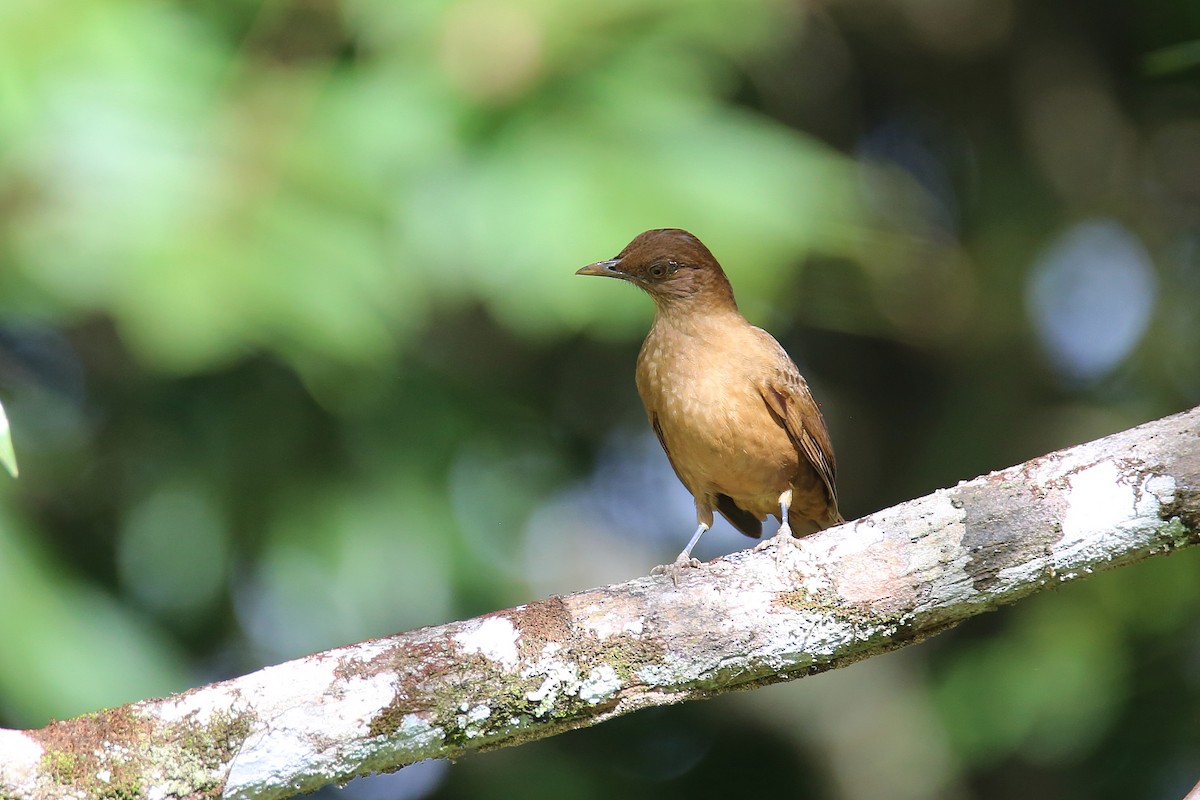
739,517
787,396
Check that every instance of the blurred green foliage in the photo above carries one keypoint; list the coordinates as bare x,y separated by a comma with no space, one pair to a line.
8,456
212,199
293,351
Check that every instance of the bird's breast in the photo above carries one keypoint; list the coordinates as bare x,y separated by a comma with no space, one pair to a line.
704,393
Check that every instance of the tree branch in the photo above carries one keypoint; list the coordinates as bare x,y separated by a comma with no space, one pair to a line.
869,586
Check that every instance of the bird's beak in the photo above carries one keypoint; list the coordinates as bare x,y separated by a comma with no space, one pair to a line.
603,268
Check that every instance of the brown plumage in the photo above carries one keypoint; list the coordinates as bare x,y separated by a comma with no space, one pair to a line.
731,410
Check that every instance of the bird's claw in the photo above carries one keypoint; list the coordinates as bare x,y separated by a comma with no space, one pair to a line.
782,540
675,568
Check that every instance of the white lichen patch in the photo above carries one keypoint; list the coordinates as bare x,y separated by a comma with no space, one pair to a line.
418,733
601,683
1157,491
670,671
561,679
469,721
1106,513
254,691
827,637
199,705
21,757
493,637
302,707
1100,500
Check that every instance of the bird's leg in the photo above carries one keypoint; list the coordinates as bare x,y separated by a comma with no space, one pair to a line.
785,504
686,555
783,536
685,558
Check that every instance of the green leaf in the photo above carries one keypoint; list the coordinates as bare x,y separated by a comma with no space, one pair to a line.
8,457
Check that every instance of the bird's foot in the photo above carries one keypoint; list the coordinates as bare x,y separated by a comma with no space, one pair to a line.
676,567
782,541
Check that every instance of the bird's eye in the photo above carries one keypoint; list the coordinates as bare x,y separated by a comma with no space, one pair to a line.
658,270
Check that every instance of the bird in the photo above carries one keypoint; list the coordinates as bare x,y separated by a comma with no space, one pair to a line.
728,405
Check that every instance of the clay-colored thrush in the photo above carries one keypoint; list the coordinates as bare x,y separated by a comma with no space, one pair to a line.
731,410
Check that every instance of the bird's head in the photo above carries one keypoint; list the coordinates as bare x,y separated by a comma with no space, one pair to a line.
673,267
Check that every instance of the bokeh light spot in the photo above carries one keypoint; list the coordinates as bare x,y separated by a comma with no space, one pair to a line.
1090,295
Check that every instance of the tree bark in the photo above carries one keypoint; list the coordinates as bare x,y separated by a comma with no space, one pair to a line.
797,608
